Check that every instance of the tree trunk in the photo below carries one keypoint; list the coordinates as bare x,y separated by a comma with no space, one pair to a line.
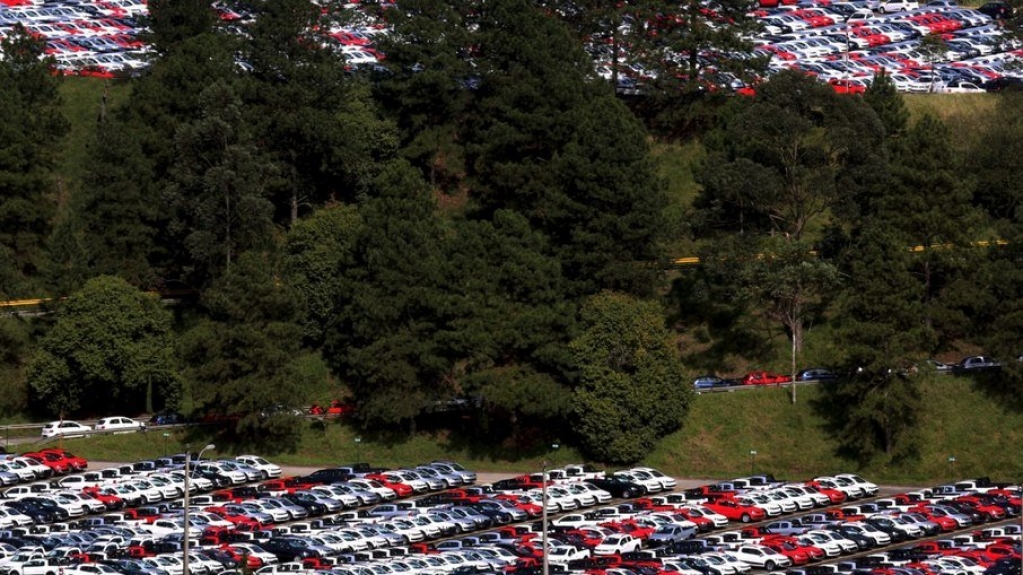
294,206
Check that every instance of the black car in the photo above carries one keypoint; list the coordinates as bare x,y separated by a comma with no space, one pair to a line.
37,513
1011,83
997,10
289,549
887,526
817,374
219,481
313,507
329,475
976,364
619,487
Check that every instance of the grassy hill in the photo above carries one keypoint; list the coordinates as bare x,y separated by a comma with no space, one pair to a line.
715,441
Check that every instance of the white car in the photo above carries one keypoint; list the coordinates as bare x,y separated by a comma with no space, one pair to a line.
269,470
65,429
119,424
889,6
667,483
869,488
761,557
616,544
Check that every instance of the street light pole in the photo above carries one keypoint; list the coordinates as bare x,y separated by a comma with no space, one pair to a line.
543,502
752,461
951,468
188,488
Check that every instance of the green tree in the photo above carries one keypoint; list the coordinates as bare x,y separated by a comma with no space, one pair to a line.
785,163
999,190
314,120
687,45
511,322
110,349
220,185
886,337
927,185
384,341
424,91
548,141
631,391
240,357
318,249
114,212
883,97
16,348
32,128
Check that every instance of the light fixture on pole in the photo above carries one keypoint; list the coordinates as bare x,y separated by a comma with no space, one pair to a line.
543,505
752,461
951,468
188,488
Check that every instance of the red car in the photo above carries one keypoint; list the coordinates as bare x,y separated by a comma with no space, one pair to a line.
735,511
77,463
401,489
846,86
765,378
58,464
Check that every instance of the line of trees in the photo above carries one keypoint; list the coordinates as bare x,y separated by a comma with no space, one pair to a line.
484,219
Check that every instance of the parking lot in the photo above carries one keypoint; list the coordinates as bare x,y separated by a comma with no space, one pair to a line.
842,43
438,518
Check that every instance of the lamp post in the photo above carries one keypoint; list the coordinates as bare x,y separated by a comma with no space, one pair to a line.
847,41
543,505
951,468
358,442
752,461
165,436
188,488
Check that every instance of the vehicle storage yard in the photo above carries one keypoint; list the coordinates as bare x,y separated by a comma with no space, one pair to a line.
438,518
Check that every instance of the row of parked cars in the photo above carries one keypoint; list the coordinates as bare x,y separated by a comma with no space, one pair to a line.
432,519
846,44
969,365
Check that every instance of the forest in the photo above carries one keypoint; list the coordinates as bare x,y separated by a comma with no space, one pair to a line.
484,218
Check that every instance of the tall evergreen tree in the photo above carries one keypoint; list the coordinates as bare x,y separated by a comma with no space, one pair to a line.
117,211
317,124
886,336
240,359
385,340
511,322
219,185
927,187
425,91
548,141
784,164
31,129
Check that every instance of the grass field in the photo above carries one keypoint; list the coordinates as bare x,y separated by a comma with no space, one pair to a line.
715,441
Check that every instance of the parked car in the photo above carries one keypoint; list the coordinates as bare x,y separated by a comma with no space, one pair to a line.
764,378
977,364
889,6
65,428
997,10
711,382
118,423
817,374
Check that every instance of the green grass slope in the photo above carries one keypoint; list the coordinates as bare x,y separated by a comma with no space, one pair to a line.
715,441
